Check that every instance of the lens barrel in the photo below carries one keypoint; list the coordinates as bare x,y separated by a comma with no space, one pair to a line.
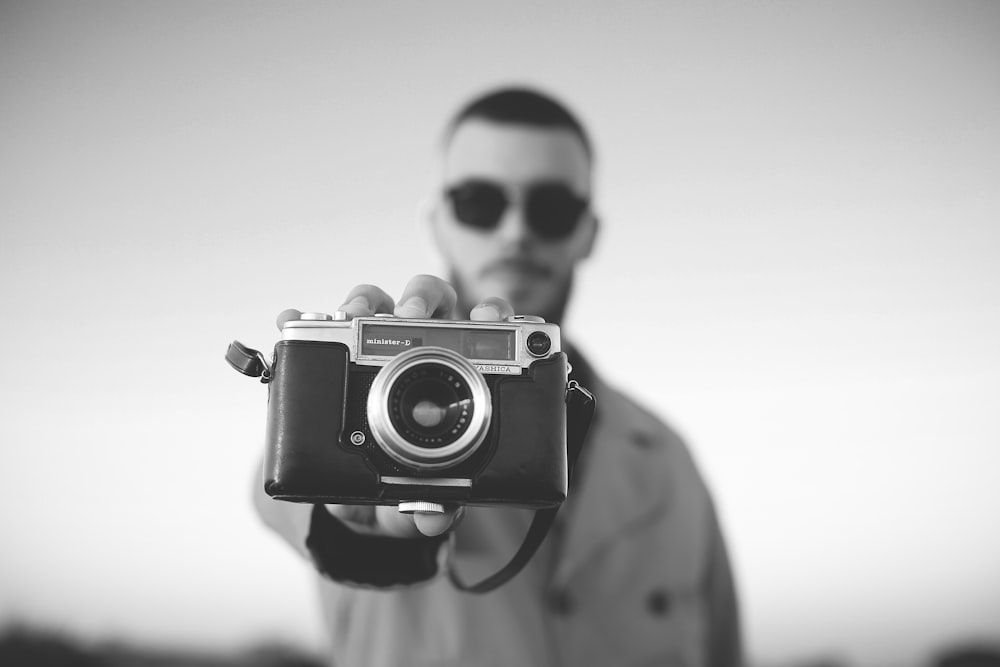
429,408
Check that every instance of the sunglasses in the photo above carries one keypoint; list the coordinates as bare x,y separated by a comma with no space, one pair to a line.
551,209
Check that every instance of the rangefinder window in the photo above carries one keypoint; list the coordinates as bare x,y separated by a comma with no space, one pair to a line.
380,340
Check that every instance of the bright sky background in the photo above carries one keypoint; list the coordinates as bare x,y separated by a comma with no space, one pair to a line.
798,268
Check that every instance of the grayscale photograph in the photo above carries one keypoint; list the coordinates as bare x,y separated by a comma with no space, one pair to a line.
455,334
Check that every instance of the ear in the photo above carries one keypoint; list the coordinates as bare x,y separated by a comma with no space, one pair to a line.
431,219
590,230
427,225
426,219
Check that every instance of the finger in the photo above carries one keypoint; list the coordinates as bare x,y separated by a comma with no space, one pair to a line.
287,316
393,522
493,309
365,301
427,296
435,524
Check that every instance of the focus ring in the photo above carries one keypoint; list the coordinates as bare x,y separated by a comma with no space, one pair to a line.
395,443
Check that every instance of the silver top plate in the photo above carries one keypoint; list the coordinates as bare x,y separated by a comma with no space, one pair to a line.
492,347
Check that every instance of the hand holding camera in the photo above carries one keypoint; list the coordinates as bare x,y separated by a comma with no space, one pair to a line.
394,417
424,297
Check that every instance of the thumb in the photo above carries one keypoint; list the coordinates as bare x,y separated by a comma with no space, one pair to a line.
432,525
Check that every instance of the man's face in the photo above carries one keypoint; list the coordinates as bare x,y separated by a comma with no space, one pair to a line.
522,257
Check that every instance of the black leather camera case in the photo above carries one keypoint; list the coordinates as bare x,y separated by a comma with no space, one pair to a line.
317,399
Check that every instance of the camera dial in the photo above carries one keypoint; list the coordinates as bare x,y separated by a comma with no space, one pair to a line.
429,408
421,507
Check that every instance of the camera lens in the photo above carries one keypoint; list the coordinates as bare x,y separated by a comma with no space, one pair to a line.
430,405
429,408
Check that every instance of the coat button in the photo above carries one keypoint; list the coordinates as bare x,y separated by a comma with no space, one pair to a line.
560,601
658,602
642,440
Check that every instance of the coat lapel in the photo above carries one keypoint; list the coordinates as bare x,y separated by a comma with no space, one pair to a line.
625,482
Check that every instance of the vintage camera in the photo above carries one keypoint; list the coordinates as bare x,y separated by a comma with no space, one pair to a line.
415,412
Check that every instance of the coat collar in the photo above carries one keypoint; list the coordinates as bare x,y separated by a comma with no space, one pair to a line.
624,480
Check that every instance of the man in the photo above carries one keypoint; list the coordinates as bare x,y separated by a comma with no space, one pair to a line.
635,570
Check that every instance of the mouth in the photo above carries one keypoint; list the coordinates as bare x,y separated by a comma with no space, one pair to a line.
520,268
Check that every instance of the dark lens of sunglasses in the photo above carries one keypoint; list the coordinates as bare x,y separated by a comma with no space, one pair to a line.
478,204
553,211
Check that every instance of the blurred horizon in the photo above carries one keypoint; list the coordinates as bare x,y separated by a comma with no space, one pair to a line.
23,647
799,208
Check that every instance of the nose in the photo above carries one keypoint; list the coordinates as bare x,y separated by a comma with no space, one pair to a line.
513,228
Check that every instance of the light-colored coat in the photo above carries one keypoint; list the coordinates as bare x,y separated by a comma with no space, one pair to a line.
634,573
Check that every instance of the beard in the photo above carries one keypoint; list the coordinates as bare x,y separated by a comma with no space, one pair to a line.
553,311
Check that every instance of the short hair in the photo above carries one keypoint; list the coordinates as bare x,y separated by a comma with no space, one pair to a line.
521,106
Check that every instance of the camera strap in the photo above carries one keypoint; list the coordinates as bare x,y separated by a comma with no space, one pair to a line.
248,361
579,413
